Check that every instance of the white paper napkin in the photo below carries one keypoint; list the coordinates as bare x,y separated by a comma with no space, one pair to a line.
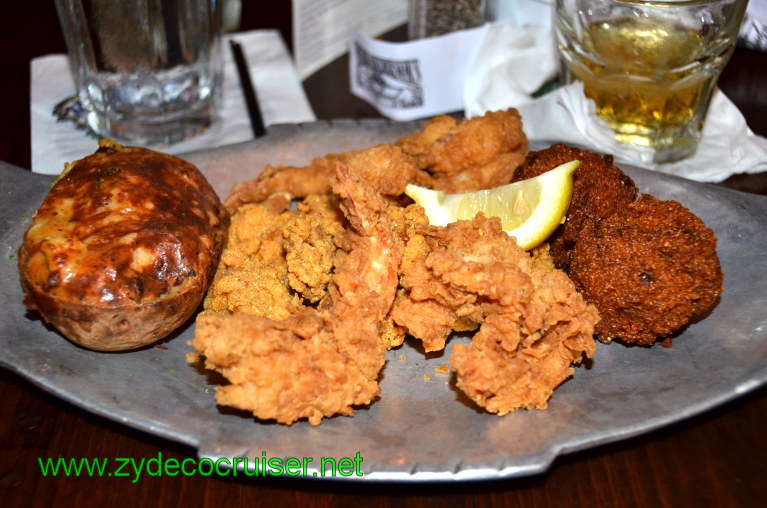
280,95
753,31
510,65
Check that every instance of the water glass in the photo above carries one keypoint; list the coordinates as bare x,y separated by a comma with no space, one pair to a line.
147,72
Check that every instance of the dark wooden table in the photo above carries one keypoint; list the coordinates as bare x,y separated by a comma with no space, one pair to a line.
715,459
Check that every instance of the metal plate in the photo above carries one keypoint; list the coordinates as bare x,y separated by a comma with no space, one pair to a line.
418,429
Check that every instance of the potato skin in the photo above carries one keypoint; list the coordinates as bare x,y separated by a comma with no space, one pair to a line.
123,248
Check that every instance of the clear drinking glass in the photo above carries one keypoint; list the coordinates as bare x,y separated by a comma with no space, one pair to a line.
650,66
147,72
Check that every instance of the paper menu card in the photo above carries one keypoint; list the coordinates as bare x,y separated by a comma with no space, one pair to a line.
319,27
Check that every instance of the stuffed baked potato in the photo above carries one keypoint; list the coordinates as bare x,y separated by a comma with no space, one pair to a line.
123,248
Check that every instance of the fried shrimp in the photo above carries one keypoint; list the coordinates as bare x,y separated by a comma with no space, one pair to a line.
294,181
386,168
319,361
649,268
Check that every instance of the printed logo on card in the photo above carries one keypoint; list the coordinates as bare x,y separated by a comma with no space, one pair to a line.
393,83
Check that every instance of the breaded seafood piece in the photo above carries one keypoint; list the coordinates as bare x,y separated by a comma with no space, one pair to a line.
649,268
321,361
494,174
533,325
309,240
297,182
385,167
517,361
599,189
252,276
479,153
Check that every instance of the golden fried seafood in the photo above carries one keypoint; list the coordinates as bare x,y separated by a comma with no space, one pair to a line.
310,239
319,361
293,181
533,325
308,300
385,167
252,274
474,154
649,268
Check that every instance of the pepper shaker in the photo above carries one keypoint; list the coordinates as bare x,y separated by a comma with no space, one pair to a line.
429,18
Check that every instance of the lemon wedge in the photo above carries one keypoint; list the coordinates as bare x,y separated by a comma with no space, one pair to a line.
530,210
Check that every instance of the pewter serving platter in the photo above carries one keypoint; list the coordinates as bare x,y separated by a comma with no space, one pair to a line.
418,429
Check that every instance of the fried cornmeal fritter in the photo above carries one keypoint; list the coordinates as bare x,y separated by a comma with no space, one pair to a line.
650,268
599,189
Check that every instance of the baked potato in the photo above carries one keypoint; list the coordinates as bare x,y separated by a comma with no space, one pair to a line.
123,248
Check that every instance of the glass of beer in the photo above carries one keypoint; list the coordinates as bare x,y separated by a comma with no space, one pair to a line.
146,72
650,66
